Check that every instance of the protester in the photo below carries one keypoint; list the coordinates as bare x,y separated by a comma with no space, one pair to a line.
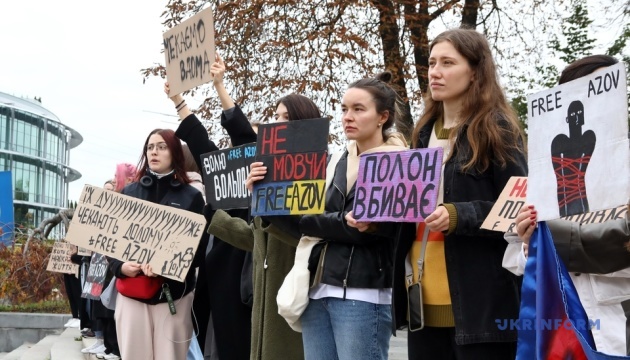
73,292
86,323
349,311
273,254
106,345
109,185
192,170
464,287
146,327
124,175
586,250
224,321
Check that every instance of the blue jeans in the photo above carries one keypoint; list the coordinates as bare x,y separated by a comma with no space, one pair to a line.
194,351
336,329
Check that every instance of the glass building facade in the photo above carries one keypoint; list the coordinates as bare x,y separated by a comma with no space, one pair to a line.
35,147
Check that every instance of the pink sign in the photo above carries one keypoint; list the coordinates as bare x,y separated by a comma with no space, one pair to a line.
399,186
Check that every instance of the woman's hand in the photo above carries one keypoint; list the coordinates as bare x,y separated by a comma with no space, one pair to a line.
148,270
362,226
176,99
256,173
217,69
130,269
526,222
439,220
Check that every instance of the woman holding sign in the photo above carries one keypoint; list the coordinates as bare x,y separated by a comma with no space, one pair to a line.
224,321
587,250
274,252
463,285
348,315
157,323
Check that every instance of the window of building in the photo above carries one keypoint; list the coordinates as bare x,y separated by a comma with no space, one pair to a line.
26,181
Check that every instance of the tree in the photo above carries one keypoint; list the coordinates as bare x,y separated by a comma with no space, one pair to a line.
317,47
576,42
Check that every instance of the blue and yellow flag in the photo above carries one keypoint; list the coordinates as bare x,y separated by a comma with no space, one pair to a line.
553,323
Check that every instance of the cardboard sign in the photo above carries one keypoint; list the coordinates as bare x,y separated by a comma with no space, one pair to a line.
400,186
579,156
224,175
601,216
295,154
130,229
60,259
189,52
97,272
508,205
502,217
83,252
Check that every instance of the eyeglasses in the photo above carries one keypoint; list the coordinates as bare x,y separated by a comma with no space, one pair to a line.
160,146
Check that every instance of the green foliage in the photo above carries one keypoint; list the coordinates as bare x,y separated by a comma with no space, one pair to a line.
25,279
575,30
48,306
575,44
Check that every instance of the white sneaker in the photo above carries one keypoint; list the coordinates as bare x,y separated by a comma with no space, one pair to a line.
97,350
88,349
110,356
72,323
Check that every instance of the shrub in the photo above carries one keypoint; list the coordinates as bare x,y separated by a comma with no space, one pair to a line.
25,279
49,306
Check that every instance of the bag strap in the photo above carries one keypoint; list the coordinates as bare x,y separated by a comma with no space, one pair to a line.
408,268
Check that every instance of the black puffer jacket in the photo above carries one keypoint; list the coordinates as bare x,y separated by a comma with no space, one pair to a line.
349,258
170,192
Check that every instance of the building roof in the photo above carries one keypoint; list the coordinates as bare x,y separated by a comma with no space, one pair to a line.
35,107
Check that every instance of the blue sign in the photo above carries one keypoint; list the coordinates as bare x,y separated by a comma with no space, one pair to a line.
6,208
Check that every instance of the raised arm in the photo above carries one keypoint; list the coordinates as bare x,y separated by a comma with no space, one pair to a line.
233,119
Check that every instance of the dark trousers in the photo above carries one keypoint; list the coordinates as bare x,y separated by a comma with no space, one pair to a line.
110,339
73,292
439,344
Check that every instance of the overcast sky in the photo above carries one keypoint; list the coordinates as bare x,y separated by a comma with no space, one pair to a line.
84,62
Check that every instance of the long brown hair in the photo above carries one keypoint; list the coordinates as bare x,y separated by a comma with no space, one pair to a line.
177,155
490,123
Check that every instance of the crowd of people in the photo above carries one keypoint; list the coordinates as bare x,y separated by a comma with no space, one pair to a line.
364,276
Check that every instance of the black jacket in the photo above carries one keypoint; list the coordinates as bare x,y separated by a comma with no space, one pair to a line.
171,192
220,273
350,258
482,291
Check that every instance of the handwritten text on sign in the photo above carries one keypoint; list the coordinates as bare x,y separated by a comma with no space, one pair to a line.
503,214
508,205
60,259
578,147
224,173
130,229
295,154
95,278
399,186
189,52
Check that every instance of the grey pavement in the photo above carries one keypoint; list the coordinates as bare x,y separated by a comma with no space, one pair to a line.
398,346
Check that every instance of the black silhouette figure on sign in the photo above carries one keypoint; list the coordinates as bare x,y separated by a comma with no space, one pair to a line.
570,157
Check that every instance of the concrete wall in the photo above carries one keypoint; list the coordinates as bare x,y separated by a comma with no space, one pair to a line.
18,328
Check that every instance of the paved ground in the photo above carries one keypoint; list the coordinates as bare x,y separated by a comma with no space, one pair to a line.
398,346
